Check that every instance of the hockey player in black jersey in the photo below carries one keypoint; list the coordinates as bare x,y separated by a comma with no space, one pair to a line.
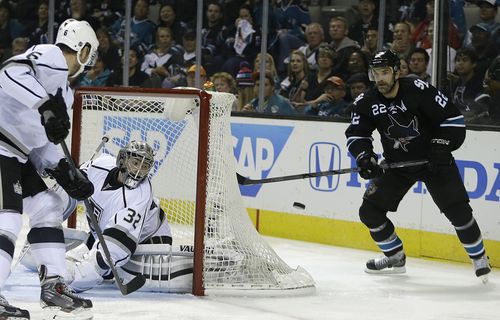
415,121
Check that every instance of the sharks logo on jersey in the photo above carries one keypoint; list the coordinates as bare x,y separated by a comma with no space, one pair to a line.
402,134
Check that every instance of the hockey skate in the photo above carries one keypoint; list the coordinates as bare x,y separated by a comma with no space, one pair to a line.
394,264
58,301
482,267
9,312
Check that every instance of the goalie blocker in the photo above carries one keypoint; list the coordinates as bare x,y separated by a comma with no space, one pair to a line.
167,268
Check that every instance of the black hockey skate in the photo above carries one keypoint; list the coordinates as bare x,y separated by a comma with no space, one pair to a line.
9,312
482,267
60,302
394,264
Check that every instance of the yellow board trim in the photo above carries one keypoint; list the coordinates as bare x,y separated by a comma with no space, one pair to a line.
350,234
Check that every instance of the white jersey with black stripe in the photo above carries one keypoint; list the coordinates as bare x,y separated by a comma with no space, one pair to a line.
121,212
25,82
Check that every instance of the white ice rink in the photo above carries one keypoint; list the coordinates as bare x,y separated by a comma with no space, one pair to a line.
429,290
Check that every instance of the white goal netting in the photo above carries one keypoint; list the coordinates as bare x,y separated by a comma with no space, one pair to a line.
235,255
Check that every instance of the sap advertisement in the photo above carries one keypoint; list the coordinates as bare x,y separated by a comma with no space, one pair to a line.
267,148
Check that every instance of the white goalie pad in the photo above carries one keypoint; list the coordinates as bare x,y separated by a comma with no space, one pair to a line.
166,268
72,238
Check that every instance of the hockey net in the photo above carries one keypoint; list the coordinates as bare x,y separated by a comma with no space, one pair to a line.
195,179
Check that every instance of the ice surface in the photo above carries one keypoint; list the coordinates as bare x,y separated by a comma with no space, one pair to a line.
429,290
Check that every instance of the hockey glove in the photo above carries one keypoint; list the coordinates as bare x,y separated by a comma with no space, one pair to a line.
439,154
368,163
77,187
55,118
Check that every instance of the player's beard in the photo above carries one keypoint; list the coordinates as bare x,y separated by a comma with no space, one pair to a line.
386,87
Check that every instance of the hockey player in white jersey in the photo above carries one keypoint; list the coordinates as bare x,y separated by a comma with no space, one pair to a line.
126,211
35,84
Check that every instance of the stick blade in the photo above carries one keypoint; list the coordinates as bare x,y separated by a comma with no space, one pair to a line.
133,285
241,179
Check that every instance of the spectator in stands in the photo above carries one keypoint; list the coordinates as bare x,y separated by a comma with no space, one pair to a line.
190,77
270,67
341,43
242,41
212,36
37,30
97,76
142,29
355,62
403,68
485,48
168,18
419,59
294,85
161,61
107,50
401,41
468,85
491,100
78,11
370,43
273,103
19,45
314,37
451,52
9,28
107,11
316,81
487,15
224,82
419,38
367,18
331,103
136,78
357,84
245,84
292,18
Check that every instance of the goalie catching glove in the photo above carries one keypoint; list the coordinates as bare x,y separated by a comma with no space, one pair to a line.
55,118
77,187
367,162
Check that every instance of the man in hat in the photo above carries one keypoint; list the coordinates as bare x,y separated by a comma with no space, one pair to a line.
331,103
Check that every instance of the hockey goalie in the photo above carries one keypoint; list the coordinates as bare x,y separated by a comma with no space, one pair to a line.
134,226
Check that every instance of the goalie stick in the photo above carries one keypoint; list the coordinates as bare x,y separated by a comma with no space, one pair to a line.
125,288
66,214
247,181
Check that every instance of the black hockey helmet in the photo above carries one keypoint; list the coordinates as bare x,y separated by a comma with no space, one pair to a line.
385,59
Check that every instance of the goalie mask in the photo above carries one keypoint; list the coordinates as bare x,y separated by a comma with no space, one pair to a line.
76,35
134,162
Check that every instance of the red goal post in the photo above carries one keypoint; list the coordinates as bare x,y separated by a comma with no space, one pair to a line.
194,177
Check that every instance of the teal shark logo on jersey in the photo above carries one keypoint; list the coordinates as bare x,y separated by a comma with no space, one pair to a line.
401,134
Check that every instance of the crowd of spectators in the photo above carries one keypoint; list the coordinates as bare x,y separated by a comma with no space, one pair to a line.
311,68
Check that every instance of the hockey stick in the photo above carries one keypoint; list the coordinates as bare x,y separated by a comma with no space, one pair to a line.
27,245
247,181
125,288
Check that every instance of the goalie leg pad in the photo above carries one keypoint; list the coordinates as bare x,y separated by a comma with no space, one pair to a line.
165,270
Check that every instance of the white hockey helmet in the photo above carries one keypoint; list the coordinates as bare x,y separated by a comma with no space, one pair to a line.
75,35
134,161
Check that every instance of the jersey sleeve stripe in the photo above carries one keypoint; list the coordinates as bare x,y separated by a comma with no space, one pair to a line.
121,239
453,122
350,140
21,85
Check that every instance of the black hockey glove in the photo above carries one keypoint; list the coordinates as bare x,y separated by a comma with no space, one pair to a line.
77,187
368,163
439,154
55,118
